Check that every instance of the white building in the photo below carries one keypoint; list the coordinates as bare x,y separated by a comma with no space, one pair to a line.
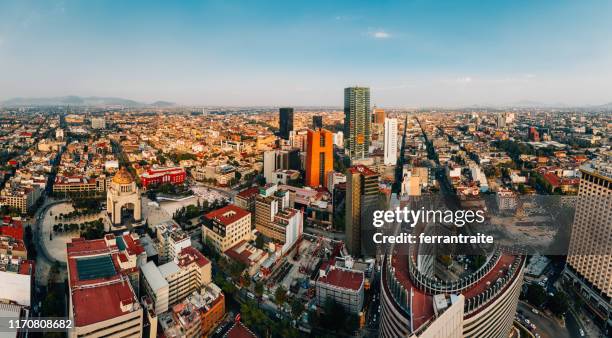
171,240
98,123
390,141
339,139
170,283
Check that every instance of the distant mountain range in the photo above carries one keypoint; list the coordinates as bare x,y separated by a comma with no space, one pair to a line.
95,101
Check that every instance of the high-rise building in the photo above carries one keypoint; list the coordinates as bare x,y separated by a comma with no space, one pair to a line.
319,157
357,121
98,123
379,116
361,200
589,261
534,135
285,122
317,122
481,304
390,141
501,120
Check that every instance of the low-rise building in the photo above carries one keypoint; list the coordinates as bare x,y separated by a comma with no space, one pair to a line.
247,254
159,176
171,282
344,286
196,316
226,226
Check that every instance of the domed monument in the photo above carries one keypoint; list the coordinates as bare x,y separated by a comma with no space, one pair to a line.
123,199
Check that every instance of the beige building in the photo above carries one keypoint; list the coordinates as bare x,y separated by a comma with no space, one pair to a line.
589,263
19,196
122,197
226,226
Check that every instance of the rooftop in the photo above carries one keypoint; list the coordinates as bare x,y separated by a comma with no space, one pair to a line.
343,278
228,214
110,301
362,169
238,330
249,192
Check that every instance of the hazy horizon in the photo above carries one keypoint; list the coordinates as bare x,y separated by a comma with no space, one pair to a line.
239,53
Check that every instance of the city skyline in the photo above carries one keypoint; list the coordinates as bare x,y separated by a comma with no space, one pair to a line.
298,54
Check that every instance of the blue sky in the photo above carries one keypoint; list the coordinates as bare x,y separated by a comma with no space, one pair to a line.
411,53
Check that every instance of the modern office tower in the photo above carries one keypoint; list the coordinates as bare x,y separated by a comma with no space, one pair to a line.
534,135
390,141
589,261
479,304
357,121
379,116
285,122
317,122
319,157
361,201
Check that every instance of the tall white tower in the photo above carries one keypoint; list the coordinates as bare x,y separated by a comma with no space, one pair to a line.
390,141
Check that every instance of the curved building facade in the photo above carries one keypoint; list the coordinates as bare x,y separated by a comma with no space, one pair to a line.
482,304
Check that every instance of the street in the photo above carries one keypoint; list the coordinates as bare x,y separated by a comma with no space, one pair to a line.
547,327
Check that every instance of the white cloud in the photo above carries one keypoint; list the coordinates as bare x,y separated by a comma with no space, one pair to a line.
465,79
380,34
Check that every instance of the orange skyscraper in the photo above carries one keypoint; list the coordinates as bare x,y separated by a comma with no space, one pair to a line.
319,157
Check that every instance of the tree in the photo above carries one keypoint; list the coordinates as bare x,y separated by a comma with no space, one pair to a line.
246,279
297,307
259,242
558,303
280,295
259,289
535,294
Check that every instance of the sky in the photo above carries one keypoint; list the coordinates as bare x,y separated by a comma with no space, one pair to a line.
411,53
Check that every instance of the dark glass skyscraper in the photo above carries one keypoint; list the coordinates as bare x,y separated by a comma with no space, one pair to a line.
357,121
317,122
285,122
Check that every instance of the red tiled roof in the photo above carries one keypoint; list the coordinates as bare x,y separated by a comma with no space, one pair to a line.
228,214
343,278
13,229
552,179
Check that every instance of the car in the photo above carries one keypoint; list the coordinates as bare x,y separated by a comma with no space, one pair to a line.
581,333
535,311
527,321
